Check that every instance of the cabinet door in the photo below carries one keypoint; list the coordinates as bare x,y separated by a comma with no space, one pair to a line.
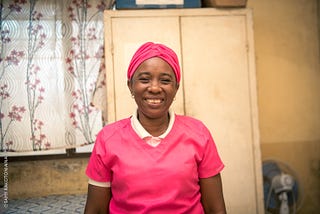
215,48
218,92
122,40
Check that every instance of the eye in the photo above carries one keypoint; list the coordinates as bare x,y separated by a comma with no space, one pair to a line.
166,81
144,79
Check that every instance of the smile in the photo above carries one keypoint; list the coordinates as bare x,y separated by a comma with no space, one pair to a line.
154,101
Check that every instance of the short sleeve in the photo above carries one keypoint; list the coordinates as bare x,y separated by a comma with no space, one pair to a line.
211,163
97,168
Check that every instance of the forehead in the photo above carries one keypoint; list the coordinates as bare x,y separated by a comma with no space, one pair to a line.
155,64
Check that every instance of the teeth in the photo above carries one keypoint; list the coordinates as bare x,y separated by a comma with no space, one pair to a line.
154,101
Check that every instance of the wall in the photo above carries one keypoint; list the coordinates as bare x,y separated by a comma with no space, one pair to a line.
287,64
47,177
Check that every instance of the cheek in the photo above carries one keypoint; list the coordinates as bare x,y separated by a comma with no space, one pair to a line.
173,92
135,88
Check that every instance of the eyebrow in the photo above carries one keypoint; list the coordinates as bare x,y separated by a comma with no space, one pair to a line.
149,73
144,73
168,75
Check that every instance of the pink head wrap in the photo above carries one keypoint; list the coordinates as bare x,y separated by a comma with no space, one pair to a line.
149,50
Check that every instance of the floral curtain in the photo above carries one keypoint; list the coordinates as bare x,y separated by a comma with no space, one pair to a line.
51,64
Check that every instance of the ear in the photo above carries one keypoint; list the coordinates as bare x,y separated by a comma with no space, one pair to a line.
129,84
177,85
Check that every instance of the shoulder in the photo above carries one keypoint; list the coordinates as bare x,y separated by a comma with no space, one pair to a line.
188,121
114,129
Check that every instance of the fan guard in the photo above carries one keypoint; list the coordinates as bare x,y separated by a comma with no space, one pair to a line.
282,192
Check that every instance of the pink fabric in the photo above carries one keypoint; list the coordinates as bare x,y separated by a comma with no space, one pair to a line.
162,179
149,50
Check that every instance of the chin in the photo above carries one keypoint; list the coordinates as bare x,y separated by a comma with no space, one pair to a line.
154,113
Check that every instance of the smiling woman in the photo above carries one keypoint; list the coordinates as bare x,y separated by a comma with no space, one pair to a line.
155,161
154,93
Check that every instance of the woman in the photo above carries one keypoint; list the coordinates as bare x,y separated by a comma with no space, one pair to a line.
154,161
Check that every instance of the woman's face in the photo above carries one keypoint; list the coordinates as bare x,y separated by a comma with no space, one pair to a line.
154,87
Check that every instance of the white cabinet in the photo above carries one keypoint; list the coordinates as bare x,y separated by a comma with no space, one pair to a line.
216,53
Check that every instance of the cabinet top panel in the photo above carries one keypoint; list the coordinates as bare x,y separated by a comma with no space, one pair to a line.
176,12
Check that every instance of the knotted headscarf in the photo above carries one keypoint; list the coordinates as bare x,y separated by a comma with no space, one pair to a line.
149,50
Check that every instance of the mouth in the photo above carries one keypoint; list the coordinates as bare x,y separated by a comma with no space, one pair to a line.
154,101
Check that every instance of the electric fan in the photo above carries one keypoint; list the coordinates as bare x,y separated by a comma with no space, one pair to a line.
281,188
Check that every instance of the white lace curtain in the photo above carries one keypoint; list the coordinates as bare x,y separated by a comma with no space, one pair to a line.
51,64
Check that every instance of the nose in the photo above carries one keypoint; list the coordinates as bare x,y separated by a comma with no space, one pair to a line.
154,87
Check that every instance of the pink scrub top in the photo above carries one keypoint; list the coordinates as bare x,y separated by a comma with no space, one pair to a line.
161,179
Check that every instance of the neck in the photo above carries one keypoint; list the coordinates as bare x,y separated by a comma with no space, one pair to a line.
155,126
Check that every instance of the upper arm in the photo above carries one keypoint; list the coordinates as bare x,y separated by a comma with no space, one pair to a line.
98,199
212,194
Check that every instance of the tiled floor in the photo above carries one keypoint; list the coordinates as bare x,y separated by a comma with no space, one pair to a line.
66,204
